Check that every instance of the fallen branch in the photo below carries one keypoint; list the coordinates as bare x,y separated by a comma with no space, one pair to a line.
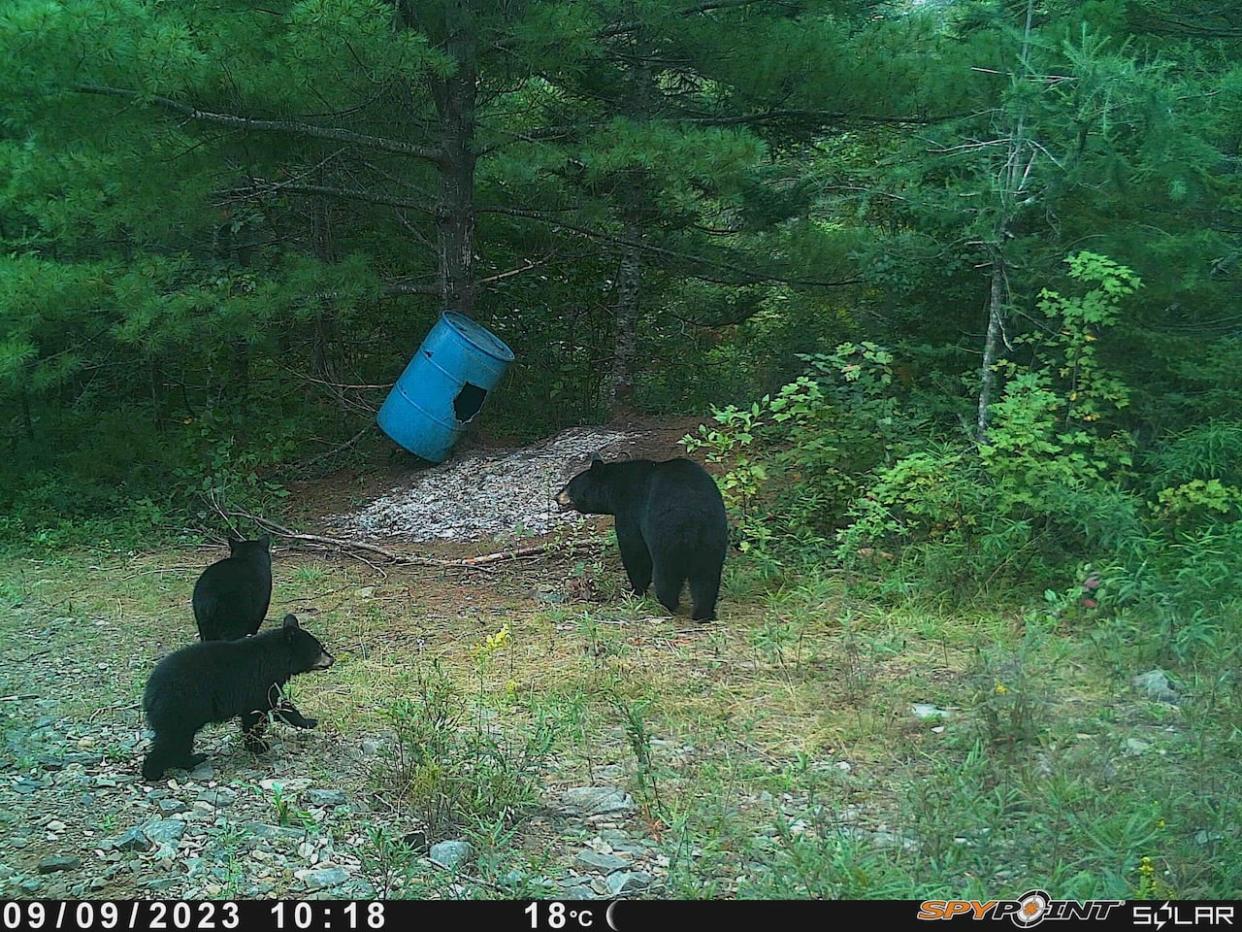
481,562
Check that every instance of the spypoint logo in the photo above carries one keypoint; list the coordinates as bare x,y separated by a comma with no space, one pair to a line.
1026,912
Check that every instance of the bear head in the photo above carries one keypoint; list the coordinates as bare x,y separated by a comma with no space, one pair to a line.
588,492
305,650
257,550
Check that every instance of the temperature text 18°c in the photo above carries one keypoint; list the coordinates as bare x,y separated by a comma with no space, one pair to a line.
558,916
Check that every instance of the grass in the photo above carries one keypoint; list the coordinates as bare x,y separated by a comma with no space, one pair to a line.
773,753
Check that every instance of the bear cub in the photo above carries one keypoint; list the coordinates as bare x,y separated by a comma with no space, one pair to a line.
670,523
214,681
231,597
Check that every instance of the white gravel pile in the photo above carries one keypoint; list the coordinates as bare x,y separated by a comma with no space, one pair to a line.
484,494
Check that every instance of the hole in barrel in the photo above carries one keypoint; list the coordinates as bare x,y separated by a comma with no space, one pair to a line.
468,401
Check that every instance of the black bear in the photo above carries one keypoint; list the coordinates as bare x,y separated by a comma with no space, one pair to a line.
670,521
231,597
214,681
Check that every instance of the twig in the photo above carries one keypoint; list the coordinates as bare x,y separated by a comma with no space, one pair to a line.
480,562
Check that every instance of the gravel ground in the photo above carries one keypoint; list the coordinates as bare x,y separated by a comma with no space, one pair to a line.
486,493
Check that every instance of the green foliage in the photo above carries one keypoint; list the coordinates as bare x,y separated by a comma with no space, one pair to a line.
452,767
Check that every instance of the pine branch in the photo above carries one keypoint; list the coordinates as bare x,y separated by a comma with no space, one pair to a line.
286,127
742,276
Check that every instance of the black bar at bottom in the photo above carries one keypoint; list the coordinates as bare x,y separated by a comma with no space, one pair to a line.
606,916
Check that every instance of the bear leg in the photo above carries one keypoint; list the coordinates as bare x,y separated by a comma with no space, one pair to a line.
668,588
169,751
253,724
704,590
635,557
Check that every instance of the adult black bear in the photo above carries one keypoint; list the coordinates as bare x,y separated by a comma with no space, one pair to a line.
214,681
671,525
231,597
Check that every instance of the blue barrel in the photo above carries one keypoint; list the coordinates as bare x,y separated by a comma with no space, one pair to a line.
443,387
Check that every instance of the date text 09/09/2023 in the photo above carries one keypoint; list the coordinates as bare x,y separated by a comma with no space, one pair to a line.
178,916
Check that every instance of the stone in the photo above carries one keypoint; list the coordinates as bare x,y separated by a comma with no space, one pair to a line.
324,798
596,800
593,860
58,862
263,830
927,710
217,796
322,878
165,831
416,841
451,854
1154,684
171,806
133,840
202,773
1137,746
628,882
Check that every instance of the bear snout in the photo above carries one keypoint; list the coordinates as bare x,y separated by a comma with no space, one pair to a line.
564,501
325,660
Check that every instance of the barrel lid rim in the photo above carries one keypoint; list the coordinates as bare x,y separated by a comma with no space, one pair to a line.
468,329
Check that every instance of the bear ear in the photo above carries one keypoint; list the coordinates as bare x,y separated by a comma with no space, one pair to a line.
266,541
233,542
291,621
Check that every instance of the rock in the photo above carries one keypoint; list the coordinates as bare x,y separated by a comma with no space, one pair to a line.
57,863
926,710
416,841
593,860
579,892
286,787
202,773
115,779
171,806
1137,746
628,882
133,840
322,878
451,854
596,800
324,798
31,885
217,796
55,826
262,830
165,831
1154,684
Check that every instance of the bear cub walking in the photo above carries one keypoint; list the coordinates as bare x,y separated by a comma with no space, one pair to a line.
231,597
214,681
670,523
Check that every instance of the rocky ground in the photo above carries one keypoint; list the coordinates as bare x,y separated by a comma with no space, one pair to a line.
78,822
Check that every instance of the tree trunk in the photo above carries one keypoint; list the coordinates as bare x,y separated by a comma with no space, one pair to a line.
987,375
455,102
323,335
618,388
27,420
